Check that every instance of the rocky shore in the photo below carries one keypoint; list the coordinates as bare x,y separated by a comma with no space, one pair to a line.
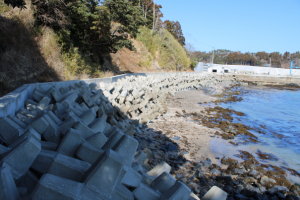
182,135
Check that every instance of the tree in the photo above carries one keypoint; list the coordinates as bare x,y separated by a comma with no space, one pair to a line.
286,55
175,29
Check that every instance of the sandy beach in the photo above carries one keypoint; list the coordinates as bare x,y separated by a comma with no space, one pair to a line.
176,138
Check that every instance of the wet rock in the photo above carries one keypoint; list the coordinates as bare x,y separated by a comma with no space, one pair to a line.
253,173
176,138
215,172
240,197
278,189
206,162
226,179
262,189
280,196
239,171
227,188
247,193
274,198
169,147
199,174
238,189
265,180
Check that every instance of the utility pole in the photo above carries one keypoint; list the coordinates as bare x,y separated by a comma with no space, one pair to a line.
270,66
212,59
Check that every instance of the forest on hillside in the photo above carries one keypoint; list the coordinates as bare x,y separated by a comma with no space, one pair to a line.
262,58
53,40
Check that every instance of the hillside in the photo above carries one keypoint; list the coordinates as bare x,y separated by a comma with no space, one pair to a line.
34,52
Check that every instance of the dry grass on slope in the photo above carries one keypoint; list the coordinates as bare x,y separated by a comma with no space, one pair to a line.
139,61
27,55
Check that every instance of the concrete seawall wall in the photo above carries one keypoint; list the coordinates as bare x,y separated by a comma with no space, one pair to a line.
76,139
268,79
13,101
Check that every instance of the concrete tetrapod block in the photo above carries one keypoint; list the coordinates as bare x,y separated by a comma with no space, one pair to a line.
159,169
3,149
40,125
9,130
89,153
51,133
104,173
21,157
43,160
98,125
97,140
29,181
137,167
178,191
122,193
8,188
44,103
54,187
215,193
48,146
30,132
113,140
147,179
132,178
163,182
67,167
67,124
38,95
17,121
88,100
70,143
143,192
54,118
126,147
84,129
56,95
140,157
193,197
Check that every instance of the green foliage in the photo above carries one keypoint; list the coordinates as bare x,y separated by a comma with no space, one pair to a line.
171,54
78,64
175,29
129,16
3,7
193,64
146,63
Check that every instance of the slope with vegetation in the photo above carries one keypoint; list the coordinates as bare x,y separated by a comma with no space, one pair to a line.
52,40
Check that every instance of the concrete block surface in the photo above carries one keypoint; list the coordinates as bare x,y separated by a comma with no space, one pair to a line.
21,157
215,193
8,188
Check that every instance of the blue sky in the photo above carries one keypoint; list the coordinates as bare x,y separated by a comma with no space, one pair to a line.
237,25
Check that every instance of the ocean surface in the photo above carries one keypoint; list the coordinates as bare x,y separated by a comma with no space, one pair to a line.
276,114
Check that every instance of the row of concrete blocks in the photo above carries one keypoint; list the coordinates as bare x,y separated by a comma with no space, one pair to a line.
143,98
71,143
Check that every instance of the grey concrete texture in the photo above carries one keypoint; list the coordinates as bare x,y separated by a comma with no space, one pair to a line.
8,188
215,193
21,157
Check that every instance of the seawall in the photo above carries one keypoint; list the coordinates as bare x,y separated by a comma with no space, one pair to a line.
268,79
75,139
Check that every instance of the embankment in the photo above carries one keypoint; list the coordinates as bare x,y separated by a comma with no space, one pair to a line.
74,139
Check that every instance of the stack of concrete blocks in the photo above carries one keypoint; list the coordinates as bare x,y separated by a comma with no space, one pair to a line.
76,143
143,97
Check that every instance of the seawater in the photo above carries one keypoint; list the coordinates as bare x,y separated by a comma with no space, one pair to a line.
274,112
